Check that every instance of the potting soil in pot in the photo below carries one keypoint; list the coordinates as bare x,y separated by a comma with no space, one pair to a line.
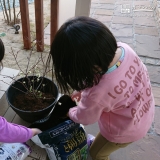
26,102
32,98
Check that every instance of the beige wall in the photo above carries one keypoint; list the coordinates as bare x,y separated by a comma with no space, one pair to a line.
71,8
82,7
66,10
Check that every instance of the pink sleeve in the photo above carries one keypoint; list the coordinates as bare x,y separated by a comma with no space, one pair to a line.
87,112
10,132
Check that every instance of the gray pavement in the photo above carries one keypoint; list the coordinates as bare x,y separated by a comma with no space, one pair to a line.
136,22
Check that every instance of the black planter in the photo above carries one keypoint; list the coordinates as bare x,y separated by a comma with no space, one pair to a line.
31,116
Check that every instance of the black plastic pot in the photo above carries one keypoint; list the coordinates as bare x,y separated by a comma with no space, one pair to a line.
31,116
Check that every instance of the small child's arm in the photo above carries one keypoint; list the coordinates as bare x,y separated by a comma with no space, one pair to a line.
12,133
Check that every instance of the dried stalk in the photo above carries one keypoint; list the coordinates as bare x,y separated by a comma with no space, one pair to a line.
12,86
14,12
15,58
9,10
5,9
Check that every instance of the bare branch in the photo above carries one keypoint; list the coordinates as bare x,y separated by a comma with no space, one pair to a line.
9,10
12,86
5,9
2,10
15,58
14,12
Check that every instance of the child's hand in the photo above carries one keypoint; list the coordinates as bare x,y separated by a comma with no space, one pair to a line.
35,131
76,96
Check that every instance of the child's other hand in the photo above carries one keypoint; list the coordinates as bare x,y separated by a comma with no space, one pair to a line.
35,131
76,96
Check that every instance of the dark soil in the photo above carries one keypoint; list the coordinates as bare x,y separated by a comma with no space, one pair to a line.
28,102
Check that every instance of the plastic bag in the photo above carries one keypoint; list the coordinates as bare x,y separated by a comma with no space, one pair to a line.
90,139
14,151
66,141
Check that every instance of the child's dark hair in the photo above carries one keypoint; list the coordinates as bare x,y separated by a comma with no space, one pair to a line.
80,48
2,50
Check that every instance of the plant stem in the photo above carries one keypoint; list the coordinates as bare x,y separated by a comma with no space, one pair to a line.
13,86
2,9
5,9
9,9
14,11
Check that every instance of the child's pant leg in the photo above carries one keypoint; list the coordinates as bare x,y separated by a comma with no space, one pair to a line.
101,148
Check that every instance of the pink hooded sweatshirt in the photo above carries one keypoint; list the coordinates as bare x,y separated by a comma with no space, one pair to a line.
122,102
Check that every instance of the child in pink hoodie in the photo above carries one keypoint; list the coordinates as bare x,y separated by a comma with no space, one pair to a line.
10,132
112,83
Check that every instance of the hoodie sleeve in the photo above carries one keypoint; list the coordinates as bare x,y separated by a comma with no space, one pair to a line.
11,133
86,112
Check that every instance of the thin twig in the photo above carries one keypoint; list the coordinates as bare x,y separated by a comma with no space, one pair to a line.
9,10
14,12
15,58
13,86
3,10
